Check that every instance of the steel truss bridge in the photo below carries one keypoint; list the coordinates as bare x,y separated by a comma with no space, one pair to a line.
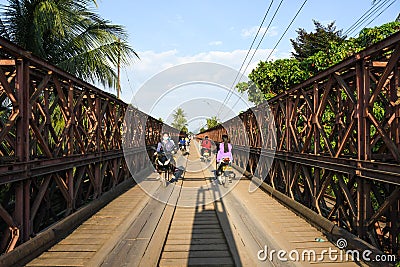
333,159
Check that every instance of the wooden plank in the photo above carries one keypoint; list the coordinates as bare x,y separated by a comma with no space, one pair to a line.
126,251
91,232
172,235
68,255
154,249
196,218
57,262
83,241
196,231
136,238
97,227
195,241
104,222
213,222
195,215
195,254
87,235
197,226
95,230
226,261
189,247
74,247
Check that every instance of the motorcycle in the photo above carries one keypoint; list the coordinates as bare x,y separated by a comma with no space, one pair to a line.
164,166
226,172
206,155
182,147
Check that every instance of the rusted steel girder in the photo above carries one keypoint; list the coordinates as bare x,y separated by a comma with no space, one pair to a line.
60,144
337,143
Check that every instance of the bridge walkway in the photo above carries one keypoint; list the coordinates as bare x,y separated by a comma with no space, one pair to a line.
198,222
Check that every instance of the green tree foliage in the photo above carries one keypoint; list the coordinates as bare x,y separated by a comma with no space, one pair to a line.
68,34
370,36
180,121
274,77
212,122
307,44
338,51
254,93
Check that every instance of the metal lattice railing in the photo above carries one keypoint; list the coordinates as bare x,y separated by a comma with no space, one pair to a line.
337,143
60,144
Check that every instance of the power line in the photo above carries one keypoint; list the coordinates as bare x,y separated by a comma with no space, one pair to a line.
287,28
248,52
255,51
362,16
276,11
130,87
378,15
366,16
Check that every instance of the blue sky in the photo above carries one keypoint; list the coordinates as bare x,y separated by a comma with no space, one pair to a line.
169,33
193,27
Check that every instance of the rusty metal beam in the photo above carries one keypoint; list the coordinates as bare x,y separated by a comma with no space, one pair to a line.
61,143
334,142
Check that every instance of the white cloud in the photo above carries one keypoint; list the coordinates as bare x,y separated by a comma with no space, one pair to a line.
151,63
134,77
251,32
214,43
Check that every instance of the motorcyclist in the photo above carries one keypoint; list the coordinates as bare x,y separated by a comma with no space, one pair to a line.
182,143
225,151
167,146
205,144
187,141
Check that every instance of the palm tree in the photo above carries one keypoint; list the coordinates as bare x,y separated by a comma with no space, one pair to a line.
212,122
68,34
180,121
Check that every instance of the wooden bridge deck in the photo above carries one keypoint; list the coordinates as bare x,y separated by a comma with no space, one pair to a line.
195,228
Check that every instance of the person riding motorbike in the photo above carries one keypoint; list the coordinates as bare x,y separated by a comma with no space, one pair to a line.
205,145
225,151
182,144
167,146
187,141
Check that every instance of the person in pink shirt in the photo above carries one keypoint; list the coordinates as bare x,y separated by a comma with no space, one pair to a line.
224,151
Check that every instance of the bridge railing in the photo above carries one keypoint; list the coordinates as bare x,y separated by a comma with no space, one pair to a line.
337,143
60,144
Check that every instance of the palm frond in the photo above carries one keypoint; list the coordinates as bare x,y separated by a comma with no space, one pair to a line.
69,34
